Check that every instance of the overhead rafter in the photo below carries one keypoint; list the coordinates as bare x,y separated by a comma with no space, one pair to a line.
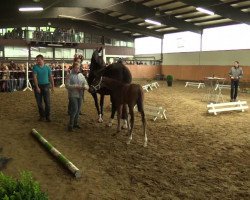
222,9
123,24
141,11
134,9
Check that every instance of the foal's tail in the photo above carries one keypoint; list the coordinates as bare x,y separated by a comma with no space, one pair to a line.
140,100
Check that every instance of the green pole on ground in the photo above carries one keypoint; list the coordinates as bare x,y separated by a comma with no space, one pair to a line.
57,154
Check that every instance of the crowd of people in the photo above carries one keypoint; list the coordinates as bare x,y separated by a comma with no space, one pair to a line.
13,75
58,35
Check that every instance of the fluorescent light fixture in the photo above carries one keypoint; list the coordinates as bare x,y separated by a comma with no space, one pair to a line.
67,16
205,11
152,22
55,45
30,9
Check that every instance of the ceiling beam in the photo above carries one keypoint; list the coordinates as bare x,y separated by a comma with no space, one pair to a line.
122,24
141,11
131,8
222,9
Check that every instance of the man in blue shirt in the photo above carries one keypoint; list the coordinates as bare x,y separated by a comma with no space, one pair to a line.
42,77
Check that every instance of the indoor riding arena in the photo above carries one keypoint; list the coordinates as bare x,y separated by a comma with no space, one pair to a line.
196,87
189,154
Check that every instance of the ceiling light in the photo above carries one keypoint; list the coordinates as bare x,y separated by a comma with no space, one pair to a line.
30,9
205,11
152,22
67,16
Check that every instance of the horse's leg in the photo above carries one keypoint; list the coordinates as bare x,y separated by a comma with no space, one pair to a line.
94,95
124,117
130,131
144,123
101,106
127,121
113,109
119,110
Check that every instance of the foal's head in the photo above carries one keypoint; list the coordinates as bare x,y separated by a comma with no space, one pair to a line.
96,85
104,82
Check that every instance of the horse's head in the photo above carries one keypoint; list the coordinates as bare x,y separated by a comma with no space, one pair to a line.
97,61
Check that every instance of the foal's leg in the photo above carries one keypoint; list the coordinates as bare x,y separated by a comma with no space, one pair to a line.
144,123
113,109
125,116
130,131
119,110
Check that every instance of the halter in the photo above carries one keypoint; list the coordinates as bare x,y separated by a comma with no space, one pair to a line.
98,86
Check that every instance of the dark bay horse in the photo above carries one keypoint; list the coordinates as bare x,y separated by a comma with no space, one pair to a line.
116,71
124,94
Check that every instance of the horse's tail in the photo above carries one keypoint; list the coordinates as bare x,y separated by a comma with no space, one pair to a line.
140,99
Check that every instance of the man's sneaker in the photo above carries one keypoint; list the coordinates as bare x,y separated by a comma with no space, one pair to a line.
77,126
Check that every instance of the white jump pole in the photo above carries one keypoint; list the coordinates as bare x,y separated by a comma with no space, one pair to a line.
28,85
63,84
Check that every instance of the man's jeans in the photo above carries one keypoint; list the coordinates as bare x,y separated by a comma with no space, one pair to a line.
234,88
44,95
75,105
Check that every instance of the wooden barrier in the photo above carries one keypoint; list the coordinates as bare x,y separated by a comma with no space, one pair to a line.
150,86
154,111
155,84
230,106
196,84
147,87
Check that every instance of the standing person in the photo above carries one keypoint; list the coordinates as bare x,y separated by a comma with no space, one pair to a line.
42,77
76,84
235,74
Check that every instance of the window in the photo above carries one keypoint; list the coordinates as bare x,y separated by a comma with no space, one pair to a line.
64,53
226,38
47,52
181,42
88,53
147,45
80,51
130,44
123,44
18,52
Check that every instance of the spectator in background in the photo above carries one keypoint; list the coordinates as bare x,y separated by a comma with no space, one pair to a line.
235,74
42,77
5,78
21,77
